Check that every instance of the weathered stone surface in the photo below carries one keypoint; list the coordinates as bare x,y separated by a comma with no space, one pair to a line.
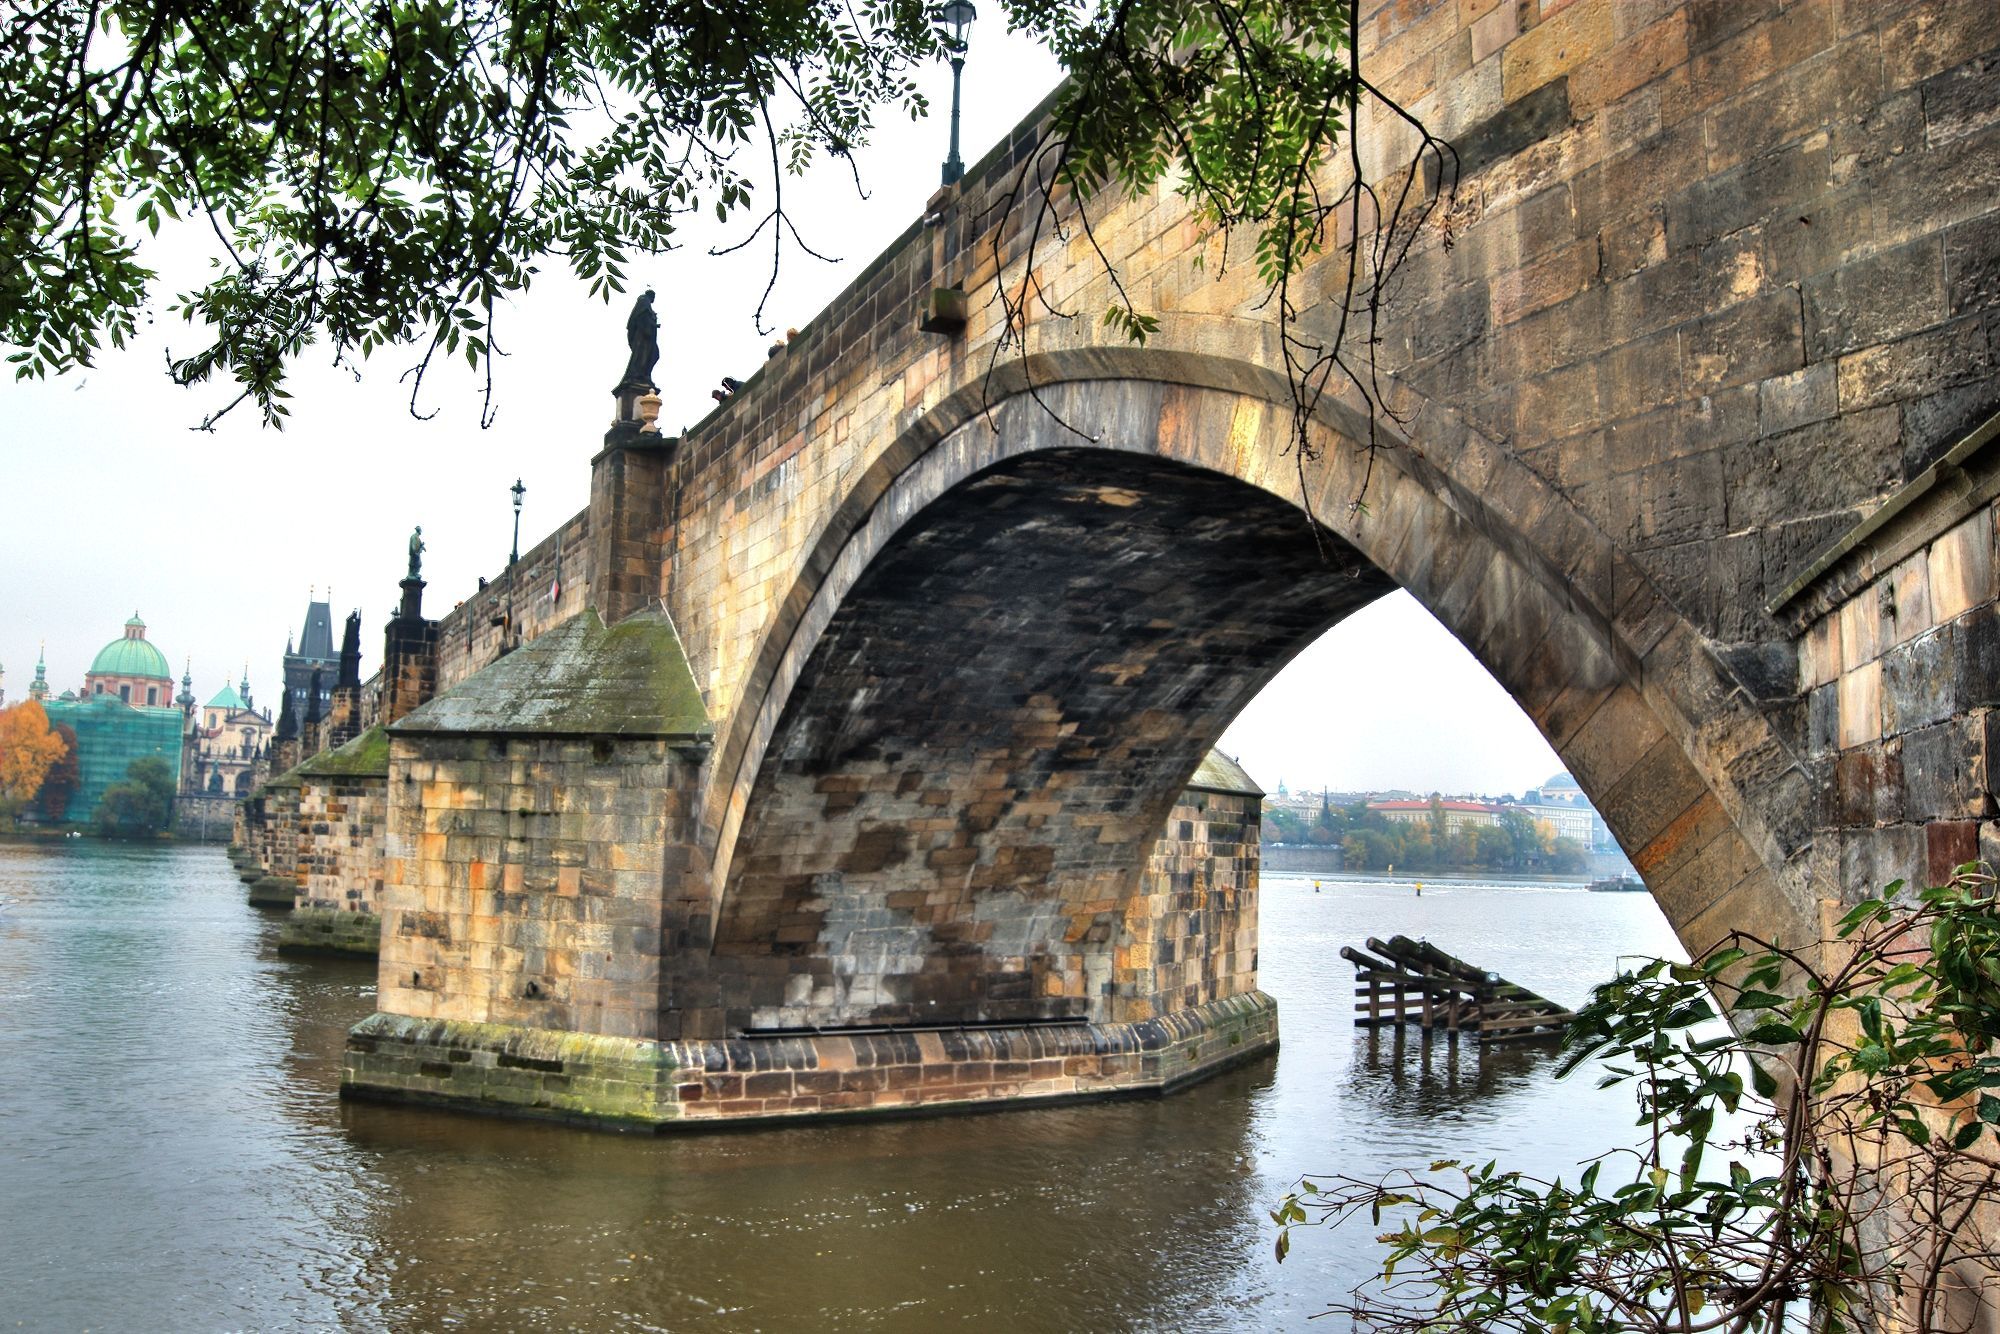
331,931
629,1084
964,615
579,679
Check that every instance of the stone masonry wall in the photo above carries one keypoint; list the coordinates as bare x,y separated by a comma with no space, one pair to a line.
472,633
1190,935
275,830
342,825
524,881
1901,679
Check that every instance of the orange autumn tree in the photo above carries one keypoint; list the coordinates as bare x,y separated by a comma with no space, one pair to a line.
28,750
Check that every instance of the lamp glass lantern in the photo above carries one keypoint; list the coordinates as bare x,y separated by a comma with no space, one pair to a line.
956,17
519,491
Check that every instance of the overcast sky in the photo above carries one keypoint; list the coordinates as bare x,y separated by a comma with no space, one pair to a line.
112,504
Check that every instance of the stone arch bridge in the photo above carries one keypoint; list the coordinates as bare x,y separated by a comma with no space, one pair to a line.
863,762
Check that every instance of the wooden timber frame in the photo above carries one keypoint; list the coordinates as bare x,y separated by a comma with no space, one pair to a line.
1413,981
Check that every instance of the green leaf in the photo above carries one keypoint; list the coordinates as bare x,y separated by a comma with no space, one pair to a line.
1762,1080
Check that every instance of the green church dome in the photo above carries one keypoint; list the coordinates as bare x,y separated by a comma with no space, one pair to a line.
227,698
131,655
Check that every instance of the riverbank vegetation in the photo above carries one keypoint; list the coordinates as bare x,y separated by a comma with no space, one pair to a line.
142,804
1371,841
1829,1155
30,752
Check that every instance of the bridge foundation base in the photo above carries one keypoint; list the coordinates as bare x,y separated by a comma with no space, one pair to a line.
629,1084
273,891
331,931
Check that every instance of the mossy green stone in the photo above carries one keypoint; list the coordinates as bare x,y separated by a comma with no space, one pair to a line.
331,931
580,679
273,891
367,756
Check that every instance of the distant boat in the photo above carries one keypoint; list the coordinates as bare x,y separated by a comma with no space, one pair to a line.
1618,884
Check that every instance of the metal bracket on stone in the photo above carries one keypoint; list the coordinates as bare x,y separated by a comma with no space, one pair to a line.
944,313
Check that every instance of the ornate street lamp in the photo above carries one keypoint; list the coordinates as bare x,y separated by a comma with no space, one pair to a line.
956,17
518,491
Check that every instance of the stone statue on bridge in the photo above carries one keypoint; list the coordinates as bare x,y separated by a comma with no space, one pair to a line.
642,335
417,553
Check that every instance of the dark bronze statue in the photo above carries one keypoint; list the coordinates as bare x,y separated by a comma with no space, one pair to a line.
642,335
416,552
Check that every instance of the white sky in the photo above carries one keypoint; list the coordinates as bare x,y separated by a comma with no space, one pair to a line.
112,504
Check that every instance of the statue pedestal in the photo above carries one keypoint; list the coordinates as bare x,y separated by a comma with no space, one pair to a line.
628,395
413,598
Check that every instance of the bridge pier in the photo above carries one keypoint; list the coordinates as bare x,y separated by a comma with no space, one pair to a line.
633,1084
546,938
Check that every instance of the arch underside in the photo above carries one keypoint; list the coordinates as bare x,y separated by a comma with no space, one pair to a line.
1005,667
987,739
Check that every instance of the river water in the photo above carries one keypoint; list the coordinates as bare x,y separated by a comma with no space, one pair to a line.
174,1155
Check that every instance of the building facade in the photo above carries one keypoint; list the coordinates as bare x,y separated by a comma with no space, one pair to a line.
1457,814
229,743
125,713
1562,803
312,652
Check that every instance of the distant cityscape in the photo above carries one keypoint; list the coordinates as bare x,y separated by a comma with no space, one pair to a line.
1551,827
128,709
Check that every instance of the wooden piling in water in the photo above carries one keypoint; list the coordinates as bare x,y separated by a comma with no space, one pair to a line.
1400,981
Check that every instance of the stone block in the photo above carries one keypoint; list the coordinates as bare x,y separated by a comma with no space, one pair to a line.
1860,691
1552,48
1875,300
1860,622
1869,785
1823,468
1928,39
1913,367
1801,398
1823,720
1935,422
1756,339
1961,574
1641,56
1917,680
1819,653
1711,23
1494,29
1716,206
1906,600
1975,658
1944,771
1948,845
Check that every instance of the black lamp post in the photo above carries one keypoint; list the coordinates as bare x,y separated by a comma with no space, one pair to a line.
956,16
518,491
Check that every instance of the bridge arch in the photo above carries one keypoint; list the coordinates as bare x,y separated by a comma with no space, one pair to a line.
886,837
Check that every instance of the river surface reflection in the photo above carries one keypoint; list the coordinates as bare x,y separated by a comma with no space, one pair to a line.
173,1153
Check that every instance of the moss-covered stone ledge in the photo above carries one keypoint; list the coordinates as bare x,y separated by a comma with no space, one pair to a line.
273,891
629,1084
331,931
